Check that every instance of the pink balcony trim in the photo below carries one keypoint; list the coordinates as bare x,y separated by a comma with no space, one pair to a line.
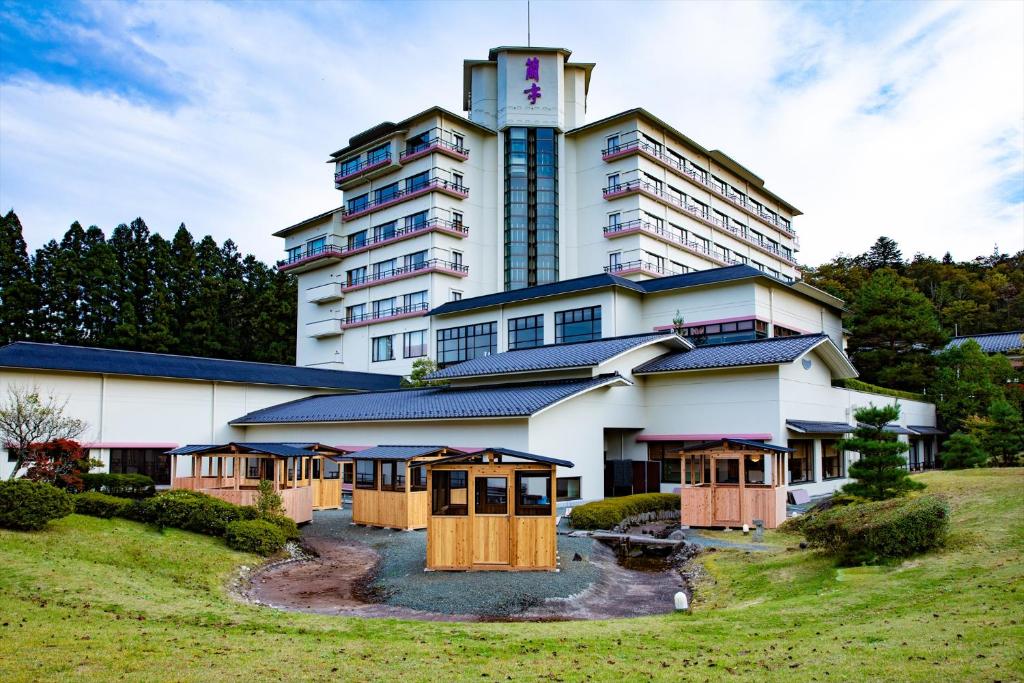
355,174
661,328
371,321
612,234
130,444
328,252
407,235
404,198
403,276
753,436
436,147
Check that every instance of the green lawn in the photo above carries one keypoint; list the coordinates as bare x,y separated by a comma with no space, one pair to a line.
93,599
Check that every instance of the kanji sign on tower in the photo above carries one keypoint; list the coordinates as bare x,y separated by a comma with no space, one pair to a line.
533,74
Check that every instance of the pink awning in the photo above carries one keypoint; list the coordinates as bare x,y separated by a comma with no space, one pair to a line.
754,436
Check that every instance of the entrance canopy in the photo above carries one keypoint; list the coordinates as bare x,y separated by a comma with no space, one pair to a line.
273,449
494,456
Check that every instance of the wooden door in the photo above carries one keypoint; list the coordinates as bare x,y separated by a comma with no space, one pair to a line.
491,526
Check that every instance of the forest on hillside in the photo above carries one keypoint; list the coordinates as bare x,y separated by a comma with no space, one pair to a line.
136,290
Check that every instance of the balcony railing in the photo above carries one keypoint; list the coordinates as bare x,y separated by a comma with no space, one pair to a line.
432,185
362,167
638,266
656,192
328,250
435,264
389,314
435,144
697,178
665,235
430,225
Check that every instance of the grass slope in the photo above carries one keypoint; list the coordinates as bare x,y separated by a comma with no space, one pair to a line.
92,599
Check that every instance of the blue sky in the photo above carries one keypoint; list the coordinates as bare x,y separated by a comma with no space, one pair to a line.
905,119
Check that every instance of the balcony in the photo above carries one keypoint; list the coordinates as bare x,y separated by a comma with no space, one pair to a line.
700,180
312,258
434,145
656,193
427,266
637,226
440,225
331,327
397,313
364,170
447,187
641,267
323,293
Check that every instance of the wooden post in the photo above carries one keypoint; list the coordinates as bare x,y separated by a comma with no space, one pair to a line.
174,460
295,472
743,492
238,471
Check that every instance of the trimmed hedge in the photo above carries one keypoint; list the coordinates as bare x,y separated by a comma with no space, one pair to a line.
189,510
795,525
858,385
287,526
121,485
97,504
868,532
604,514
255,536
29,505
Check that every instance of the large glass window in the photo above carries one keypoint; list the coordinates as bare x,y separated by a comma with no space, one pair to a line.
384,268
457,344
357,240
753,468
525,333
580,324
531,207
356,313
385,194
417,182
366,474
667,453
414,301
348,166
491,495
533,494
567,488
414,344
152,462
383,307
801,461
378,153
723,333
449,492
727,470
383,348
392,475
416,220
384,232
358,203
831,460
415,260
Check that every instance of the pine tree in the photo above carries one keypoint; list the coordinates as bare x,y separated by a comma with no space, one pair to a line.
963,451
205,323
1001,433
18,295
46,311
101,282
884,253
881,472
158,334
967,380
131,248
67,289
183,284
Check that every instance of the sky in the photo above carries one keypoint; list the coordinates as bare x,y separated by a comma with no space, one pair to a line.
904,119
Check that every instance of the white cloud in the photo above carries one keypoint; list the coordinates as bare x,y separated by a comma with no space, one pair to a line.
270,90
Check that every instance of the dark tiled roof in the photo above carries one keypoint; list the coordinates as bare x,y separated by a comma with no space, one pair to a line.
579,284
283,450
397,452
813,427
553,356
477,456
740,442
760,352
431,403
191,448
925,430
896,429
996,342
138,363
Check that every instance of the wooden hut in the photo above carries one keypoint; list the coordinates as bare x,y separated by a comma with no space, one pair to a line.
487,513
388,492
732,482
305,475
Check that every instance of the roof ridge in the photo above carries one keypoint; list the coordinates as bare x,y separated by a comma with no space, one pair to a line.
987,334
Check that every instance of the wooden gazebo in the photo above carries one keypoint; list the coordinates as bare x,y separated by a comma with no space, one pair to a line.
490,514
306,475
388,491
732,482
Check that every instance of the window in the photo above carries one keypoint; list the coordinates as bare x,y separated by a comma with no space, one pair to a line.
358,203
332,469
417,182
531,207
456,295
719,184
449,493
357,240
392,475
415,221
385,194
457,344
356,313
567,488
753,469
349,166
722,333
356,276
415,260
613,181
615,261
383,349
378,153
780,331
417,143
152,462
525,333
613,144
654,185
653,145
457,259
414,344
698,173
418,479
801,461
366,474
831,460
458,141
457,180
414,301
667,453
295,253
383,268
727,470
533,494
456,219
721,219
720,251
346,473
581,324
614,219
384,232
383,307
491,495
316,246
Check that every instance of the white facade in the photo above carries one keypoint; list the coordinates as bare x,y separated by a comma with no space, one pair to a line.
633,197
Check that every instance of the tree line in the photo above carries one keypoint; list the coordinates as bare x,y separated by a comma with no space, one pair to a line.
136,290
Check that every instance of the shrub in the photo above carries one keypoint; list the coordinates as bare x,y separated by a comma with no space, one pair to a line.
604,514
189,510
796,524
254,536
268,501
122,485
287,526
869,532
98,504
29,505
963,451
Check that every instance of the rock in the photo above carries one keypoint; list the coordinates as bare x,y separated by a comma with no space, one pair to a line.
577,557
678,535
803,545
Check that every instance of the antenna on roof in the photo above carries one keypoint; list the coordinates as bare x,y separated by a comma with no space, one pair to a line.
528,23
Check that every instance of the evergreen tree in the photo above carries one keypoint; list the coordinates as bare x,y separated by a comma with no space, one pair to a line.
131,248
158,334
204,329
101,285
1001,433
884,253
967,380
183,284
963,451
18,295
881,472
48,291
893,332
66,291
